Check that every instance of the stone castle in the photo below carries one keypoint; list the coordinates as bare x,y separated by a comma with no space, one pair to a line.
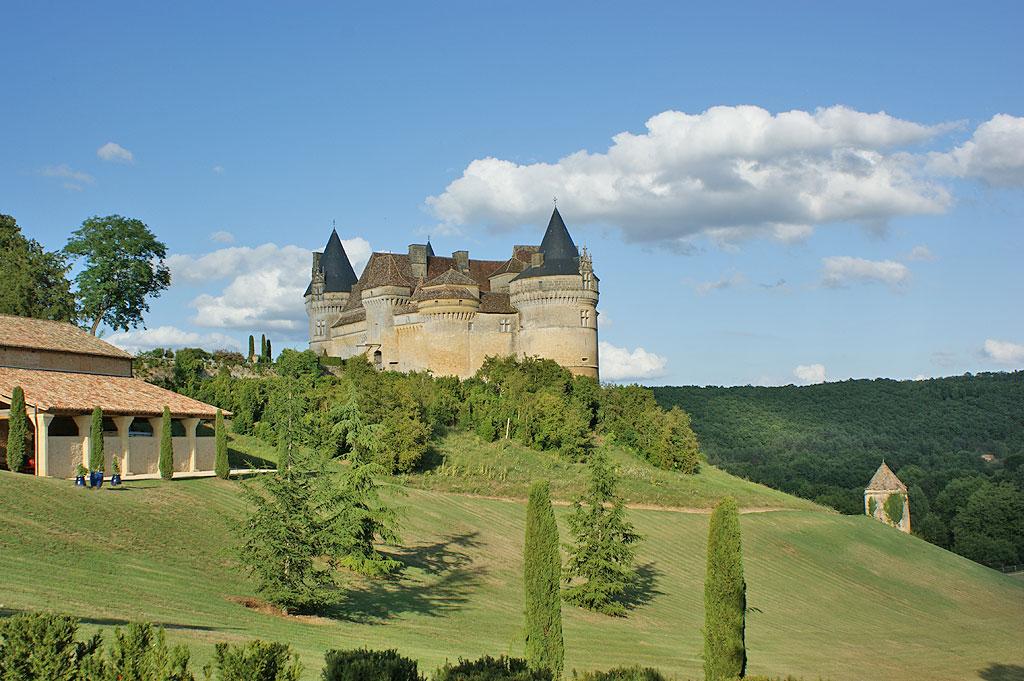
423,312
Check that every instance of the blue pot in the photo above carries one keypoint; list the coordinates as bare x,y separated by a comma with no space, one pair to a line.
115,479
79,481
96,479
92,478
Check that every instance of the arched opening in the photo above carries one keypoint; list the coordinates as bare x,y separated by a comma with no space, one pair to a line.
63,426
378,357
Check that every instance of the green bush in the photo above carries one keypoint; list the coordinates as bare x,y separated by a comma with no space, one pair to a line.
725,597
542,573
97,458
368,665
140,653
18,431
893,507
635,673
872,506
255,661
489,668
166,447
43,646
221,465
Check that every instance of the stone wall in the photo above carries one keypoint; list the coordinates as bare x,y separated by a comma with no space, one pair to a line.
879,510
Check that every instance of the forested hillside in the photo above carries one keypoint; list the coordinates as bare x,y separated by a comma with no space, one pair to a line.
823,442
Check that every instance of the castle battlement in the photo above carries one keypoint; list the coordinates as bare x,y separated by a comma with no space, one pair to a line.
423,312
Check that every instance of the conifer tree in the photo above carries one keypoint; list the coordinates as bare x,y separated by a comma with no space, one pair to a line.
17,431
365,520
270,353
263,348
166,446
97,460
542,572
725,597
252,349
221,466
600,567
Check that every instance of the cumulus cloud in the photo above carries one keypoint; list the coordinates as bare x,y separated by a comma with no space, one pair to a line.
114,152
264,284
141,340
622,364
223,237
728,281
810,373
994,154
1004,352
843,270
729,173
921,253
75,180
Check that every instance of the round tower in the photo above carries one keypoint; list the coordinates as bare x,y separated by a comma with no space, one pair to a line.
386,286
328,291
448,304
557,301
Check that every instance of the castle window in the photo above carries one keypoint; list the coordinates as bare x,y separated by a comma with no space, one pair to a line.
584,317
321,327
471,326
505,326
586,279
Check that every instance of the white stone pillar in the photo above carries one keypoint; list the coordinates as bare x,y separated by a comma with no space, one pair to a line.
41,422
84,424
190,433
124,424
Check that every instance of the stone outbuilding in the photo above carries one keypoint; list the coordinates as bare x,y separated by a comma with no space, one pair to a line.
885,485
65,373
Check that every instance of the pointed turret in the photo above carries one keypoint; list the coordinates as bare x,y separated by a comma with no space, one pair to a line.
337,270
558,252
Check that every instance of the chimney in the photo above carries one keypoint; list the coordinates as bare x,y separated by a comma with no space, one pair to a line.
418,260
461,259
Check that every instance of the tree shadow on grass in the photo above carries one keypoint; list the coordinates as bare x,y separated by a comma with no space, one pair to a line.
644,587
1002,672
437,579
237,459
118,622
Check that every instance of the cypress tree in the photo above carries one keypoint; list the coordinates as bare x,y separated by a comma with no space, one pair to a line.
252,349
221,466
542,571
725,597
166,447
600,567
96,457
18,431
263,348
270,353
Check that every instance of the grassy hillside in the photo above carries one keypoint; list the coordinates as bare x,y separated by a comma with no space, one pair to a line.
830,595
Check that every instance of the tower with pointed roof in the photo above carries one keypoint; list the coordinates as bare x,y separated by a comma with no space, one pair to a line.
424,312
883,486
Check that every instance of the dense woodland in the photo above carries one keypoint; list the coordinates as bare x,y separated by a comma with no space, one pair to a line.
957,443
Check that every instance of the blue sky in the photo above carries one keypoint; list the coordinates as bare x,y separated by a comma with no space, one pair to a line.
776,228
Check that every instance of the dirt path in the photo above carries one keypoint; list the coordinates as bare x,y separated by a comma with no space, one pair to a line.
636,507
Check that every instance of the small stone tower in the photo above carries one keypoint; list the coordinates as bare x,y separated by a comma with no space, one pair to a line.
884,486
557,301
328,291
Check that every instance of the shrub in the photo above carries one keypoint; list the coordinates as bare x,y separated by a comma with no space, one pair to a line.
255,661
488,668
893,507
872,506
18,431
96,456
635,673
368,665
542,572
140,653
43,646
725,597
166,447
221,466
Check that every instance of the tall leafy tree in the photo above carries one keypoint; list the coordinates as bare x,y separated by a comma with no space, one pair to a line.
17,431
166,463
97,458
725,597
123,267
600,567
221,466
33,281
542,572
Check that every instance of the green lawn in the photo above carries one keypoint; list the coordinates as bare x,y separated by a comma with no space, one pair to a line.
832,596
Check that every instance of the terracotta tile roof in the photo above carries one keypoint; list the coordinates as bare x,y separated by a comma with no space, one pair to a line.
884,480
40,334
64,392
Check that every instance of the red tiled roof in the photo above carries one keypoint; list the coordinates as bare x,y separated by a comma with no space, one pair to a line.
65,392
41,334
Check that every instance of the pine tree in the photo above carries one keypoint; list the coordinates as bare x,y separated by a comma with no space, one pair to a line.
166,446
252,349
97,460
725,597
221,466
17,431
600,567
542,571
365,520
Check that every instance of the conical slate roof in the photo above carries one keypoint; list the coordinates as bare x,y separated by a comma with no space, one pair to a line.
338,273
560,253
884,480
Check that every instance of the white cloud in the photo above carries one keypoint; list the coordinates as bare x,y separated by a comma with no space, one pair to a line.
75,179
842,270
728,281
921,253
1004,352
994,154
810,373
141,340
218,170
112,151
264,284
622,364
223,237
730,173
